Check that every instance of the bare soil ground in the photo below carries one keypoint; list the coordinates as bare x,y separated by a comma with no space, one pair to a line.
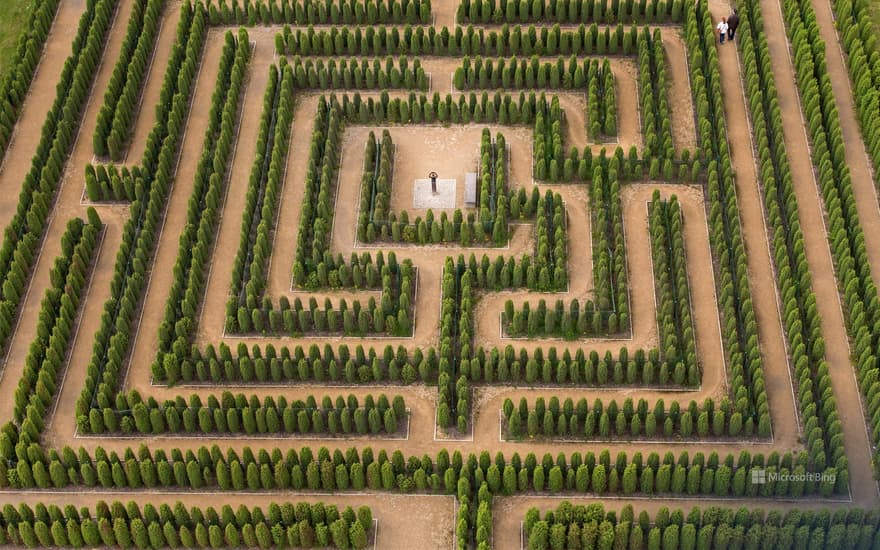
457,148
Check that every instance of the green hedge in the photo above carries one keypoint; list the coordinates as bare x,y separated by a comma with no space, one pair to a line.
318,12
571,527
330,366
353,74
463,40
236,414
858,35
549,420
300,525
48,351
567,11
196,241
117,114
464,476
24,234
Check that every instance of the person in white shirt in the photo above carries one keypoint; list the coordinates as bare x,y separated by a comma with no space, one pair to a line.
722,30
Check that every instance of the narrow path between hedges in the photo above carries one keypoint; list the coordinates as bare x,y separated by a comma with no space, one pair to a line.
825,285
67,204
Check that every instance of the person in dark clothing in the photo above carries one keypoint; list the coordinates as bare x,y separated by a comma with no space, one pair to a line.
732,24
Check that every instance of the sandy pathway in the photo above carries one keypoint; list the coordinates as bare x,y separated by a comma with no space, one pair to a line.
825,284
754,230
67,206
146,337
145,118
229,232
41,94
681,103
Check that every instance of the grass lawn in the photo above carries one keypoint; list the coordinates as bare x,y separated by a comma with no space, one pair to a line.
13,14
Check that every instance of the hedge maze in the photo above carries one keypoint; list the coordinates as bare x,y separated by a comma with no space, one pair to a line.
660,305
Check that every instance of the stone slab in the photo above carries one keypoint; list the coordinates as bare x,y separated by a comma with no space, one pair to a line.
444,197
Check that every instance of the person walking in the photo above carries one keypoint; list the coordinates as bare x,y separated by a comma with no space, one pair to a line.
732,24
722,30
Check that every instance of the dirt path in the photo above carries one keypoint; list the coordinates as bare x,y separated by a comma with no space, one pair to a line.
23,145
66,207
220,278
146,336
765,298
681,103
811,215
825,284
146,115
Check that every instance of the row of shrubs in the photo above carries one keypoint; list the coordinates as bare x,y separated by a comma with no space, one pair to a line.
117,525
261,202
466,40
116,116
456,317
114,183
505,366
492,190
205,467
567,11
23,236
392,315
316,218
238,415
570,527
629,422
329,367
859,32
112,339
55,326
610,316
544,271
375,195
653,97
196,240
845,233
675,327
799,314
22,65
353,74
105,182
601,101
319,12
610,275
548,148
519,73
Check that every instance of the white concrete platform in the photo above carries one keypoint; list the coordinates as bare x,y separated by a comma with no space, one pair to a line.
443,198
